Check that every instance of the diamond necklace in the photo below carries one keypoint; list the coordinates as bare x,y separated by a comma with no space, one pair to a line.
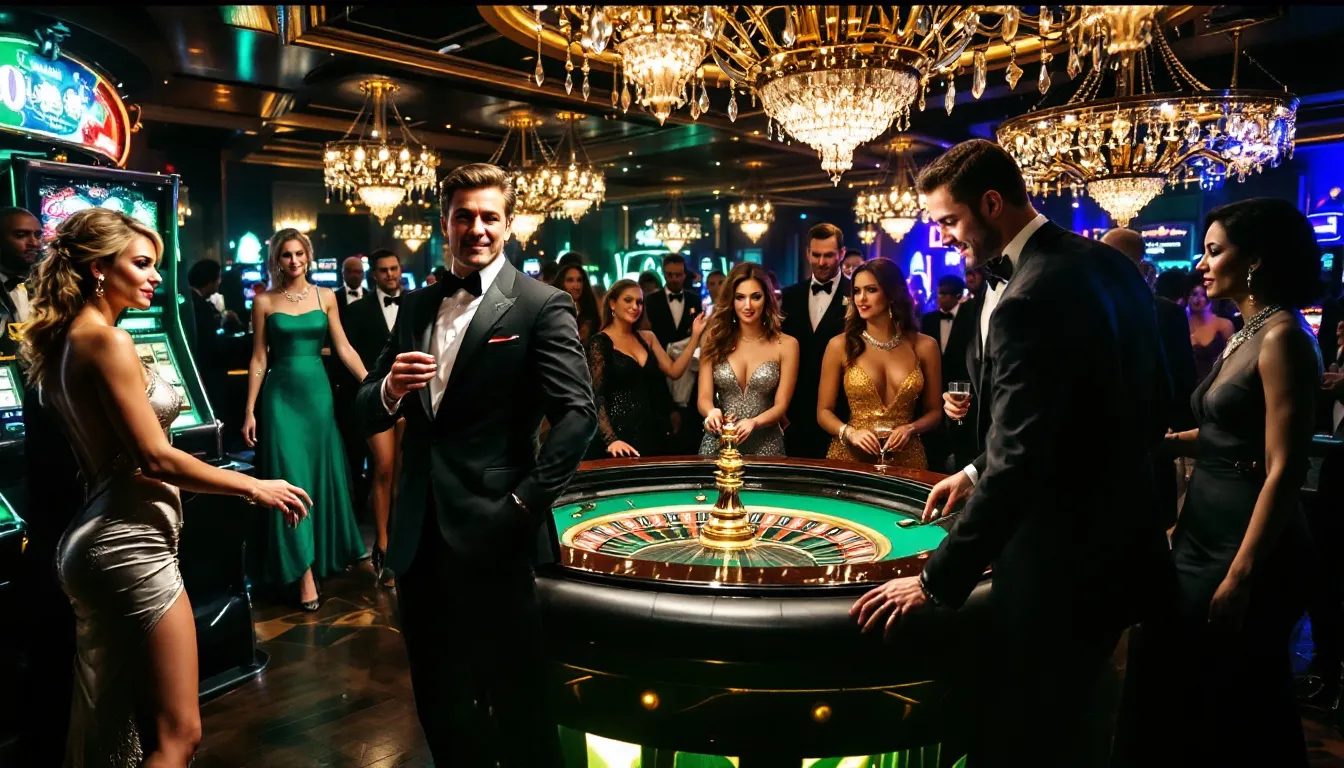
885,346
297,297
1252,326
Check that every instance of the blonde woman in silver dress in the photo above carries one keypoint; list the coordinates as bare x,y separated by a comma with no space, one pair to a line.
135,663
748,367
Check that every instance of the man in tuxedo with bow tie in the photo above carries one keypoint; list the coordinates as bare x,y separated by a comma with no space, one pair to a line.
368,324
814,313
473,364
1061,502
953,327
671,311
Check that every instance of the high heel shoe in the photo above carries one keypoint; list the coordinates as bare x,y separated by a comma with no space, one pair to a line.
377,558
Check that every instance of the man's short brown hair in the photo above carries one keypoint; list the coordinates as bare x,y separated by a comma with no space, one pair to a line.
476,176
824,231
972,168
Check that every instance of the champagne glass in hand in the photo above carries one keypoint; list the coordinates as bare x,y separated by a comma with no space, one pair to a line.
960,391
882,430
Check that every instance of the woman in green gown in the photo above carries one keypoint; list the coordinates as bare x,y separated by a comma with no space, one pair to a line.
298,439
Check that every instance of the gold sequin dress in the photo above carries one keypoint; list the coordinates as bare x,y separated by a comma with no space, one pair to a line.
118,564
866,410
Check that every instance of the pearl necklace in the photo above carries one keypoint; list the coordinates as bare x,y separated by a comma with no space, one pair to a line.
885,346
1252,326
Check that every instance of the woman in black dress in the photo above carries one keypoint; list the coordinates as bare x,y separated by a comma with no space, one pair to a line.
630,372
1240,546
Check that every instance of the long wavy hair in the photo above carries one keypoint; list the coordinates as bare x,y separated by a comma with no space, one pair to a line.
722,334
278,241
614,293
891,281
63,280
587,305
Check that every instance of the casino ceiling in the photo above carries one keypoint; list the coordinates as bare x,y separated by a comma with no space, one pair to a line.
280,81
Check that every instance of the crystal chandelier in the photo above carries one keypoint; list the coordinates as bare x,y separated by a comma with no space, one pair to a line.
525,166
867,235
1126,149
660,48
675,230
574,183
892,202
413,234
754,213
366,162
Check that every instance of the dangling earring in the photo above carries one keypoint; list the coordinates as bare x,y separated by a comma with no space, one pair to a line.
1250,290
98,287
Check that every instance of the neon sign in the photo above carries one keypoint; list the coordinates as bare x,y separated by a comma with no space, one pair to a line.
1168,242
63,101
1326,226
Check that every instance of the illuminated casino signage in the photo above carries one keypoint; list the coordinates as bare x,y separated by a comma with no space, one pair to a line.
1168,241
61,100
1327,226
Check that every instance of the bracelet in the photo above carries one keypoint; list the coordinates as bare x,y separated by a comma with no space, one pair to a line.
924,587
841,434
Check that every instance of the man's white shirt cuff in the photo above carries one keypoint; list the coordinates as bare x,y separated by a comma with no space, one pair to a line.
388,404
972,473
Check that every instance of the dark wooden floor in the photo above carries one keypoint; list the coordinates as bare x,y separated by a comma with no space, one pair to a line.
337,693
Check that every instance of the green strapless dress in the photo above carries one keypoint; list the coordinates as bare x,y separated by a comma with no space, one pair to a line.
298,441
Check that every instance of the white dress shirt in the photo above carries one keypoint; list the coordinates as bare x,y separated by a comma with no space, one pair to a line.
819,302
20,298
677,308
455,314
1013,250
945,327
389,310
352,294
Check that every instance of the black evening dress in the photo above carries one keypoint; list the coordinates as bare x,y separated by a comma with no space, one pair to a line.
633,400
1237,685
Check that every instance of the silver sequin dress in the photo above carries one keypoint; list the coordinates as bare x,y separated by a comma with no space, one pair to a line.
756,399
118,564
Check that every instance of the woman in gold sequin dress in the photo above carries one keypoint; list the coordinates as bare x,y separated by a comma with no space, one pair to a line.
889,370
135,695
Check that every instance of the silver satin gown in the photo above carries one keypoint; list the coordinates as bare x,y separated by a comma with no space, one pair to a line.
756,399
118,564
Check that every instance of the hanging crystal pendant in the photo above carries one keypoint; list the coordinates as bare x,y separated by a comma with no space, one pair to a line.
924,21
704,97
695,110
569,83
1075,66
1014,72
789,34
978,77
625,95
707,22
732,104
600,30
586,88
1043,82
923,89
1046,21
1011,17
950,99
538,74
615,97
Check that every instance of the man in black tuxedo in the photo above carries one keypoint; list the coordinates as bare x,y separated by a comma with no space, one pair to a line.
670,311
814,313
344,385
368,324
1173,326
474,363
1061,503
953,326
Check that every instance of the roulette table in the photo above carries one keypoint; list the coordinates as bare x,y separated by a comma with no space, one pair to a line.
697,616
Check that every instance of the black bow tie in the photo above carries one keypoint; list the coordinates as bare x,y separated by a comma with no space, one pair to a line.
353,292
471,284
999,270
675,296
947,315
820,288
390,300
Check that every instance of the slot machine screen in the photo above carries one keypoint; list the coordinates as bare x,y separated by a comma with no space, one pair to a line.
251,278
326,272
59,199
11,402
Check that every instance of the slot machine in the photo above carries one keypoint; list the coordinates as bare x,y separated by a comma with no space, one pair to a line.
327,273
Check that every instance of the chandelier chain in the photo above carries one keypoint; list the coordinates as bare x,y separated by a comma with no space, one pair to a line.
1174,64
1261,67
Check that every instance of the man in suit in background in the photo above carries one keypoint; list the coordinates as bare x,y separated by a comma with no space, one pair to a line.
1062,502
44,625
1174,329
474,363
353,287
670,311
852,261
814,313
368,324
953,326
343,385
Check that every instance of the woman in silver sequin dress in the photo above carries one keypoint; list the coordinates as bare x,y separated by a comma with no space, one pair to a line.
744,344
135,660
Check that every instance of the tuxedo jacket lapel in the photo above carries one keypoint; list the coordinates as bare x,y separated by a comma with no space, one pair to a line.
494,305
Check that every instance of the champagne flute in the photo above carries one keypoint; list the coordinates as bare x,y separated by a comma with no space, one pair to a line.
882,430
960,392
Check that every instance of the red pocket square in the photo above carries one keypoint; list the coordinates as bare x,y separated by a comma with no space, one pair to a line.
502,339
